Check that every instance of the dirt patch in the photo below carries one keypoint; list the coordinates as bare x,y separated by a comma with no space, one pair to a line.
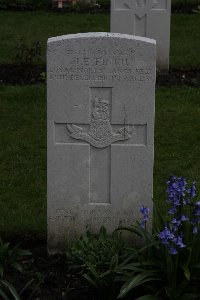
184,8
51,276
86,8
178,77
19,75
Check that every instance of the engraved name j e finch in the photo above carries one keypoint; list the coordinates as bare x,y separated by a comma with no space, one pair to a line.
101,61
100,134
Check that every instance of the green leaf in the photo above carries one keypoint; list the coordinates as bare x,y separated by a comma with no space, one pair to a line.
3,295
23,252
26,286
17,266
11,289
35,289
149,297
1,271
137,280
137,266
186,272
90,280
189,296
92,270
114,261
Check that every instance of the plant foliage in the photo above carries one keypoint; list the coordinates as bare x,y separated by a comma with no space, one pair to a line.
99,258
166,265
173,254
28,54
10,257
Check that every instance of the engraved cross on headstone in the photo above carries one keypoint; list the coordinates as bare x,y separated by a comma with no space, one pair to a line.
140,9
100,134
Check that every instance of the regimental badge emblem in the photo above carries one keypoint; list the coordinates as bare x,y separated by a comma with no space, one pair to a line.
99,133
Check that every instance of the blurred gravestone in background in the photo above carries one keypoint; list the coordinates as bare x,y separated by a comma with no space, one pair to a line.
148,18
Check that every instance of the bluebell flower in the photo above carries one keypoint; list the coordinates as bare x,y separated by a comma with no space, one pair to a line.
184,218
173,251
172,210
179,242
176,224
197,209
195,230
142,224
176,221
184,201
193,221
192,191
166,235
180,195
145,212
176,190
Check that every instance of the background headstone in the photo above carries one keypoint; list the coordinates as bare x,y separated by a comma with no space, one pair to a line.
101,91
148,18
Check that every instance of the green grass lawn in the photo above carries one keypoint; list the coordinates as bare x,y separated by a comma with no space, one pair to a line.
39,25
185,41
23,151
177,137
23,159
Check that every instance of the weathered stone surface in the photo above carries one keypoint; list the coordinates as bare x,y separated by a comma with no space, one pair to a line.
101,90
148,18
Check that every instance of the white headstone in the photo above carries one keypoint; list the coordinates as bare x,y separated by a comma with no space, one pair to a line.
101,91
148,18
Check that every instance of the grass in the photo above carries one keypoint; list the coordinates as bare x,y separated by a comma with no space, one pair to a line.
39,25
185,41
23,151
23,159
177,137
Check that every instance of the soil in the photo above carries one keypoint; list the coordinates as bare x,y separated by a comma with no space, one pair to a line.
21,74
51,277
179,77
93,9
24,74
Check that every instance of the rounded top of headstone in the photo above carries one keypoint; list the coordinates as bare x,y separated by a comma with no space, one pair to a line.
100,35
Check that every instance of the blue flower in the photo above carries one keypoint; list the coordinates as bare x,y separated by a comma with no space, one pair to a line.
197,209
173,251
176,224
193,222
179,242
184,218
172,210
145,212
182,207
176,190
142,224
195,230
192,191
166,235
